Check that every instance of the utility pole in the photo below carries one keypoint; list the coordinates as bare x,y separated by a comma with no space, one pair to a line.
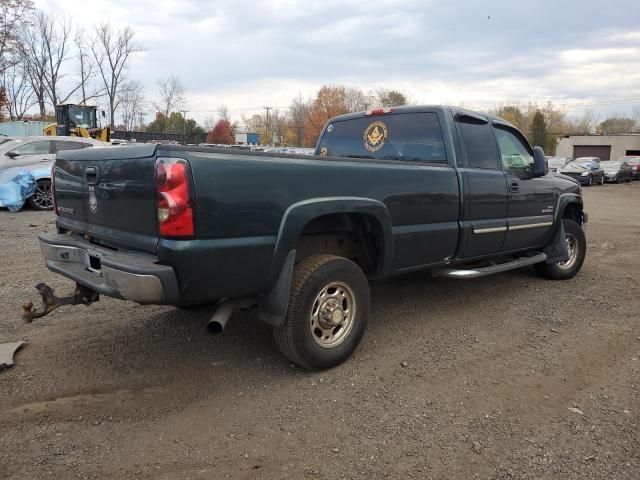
266,128
184,123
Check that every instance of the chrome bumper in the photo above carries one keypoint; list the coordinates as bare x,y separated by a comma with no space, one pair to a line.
129,276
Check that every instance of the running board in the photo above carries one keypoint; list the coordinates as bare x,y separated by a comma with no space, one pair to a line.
490,270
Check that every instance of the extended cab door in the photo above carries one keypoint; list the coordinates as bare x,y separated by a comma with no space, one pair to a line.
531,199
483,188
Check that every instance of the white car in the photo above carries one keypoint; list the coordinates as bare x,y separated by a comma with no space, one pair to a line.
38,153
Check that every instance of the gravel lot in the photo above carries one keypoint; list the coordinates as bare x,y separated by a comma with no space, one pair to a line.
504,377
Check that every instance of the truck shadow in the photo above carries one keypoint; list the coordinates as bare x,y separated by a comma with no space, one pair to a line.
176,338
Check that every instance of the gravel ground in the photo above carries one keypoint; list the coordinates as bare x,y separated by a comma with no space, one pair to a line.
504,377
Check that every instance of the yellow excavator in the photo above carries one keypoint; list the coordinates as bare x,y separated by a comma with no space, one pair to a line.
78,121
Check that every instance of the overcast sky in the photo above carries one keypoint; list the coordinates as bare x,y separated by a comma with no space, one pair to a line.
246,54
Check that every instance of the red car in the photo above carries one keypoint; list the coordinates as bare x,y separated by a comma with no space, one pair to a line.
634,163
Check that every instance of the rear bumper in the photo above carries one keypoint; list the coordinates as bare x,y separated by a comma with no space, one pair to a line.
119,274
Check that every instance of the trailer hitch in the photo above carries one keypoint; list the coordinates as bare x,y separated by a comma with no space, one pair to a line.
81,296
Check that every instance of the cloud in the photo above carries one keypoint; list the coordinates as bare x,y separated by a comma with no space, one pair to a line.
246,54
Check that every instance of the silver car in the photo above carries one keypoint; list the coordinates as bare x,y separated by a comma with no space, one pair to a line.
38,153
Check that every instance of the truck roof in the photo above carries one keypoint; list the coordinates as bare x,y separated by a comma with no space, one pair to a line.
423,108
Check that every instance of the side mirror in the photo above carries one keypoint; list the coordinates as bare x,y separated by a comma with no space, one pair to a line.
539,162
12,154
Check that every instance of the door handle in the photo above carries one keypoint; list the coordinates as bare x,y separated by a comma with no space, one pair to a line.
92,175
514,187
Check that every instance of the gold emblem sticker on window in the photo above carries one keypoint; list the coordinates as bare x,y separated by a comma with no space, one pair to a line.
375,136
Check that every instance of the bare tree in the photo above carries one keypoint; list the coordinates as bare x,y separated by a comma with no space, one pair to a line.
55,40
86,70
299,117
132,103
33,57
20,95
356,100
171,95
12,15
111,51
223,112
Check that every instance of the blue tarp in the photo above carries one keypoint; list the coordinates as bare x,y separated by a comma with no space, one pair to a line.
18,184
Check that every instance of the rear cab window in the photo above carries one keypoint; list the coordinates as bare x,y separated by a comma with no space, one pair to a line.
407,137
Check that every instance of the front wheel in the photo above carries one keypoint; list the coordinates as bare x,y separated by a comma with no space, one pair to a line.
42,198
602,180
577,246
590,181
327,314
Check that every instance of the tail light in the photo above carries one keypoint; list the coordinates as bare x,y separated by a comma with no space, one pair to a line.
174,198
379,111
53,188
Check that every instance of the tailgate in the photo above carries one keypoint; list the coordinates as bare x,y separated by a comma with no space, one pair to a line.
108,193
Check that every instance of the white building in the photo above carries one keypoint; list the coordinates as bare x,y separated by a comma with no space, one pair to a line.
606,147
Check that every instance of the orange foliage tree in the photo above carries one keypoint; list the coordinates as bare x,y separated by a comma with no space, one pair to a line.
330,101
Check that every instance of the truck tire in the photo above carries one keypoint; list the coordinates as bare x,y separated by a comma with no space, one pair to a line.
42,198
327,314
577,250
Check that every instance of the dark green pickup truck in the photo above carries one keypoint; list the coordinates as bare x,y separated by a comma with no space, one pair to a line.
389,191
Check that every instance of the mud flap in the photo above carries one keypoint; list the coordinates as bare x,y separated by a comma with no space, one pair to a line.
557,251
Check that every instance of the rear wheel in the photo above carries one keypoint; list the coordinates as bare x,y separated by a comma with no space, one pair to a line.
327,314
577,246
42,198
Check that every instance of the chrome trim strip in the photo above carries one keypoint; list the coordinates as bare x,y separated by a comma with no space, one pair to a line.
530,225
489,230
511,227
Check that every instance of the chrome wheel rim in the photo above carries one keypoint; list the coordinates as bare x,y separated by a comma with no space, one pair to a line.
332,314
572,246
42,196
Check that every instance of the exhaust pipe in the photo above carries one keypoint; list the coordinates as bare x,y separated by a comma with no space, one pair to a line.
219,320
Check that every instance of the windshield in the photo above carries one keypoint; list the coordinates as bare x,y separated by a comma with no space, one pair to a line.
573,166
82,117
556,162
409,137
631,160
610,165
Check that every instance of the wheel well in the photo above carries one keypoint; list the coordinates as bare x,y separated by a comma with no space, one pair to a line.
355,236
573,212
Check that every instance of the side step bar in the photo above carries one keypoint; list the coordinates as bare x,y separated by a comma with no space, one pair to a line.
491,269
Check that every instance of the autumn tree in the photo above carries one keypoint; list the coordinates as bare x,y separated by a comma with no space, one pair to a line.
614,125
329,102
221,133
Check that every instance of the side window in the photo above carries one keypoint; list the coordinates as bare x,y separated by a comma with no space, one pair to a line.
40,147
66,145
479,144
516,156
